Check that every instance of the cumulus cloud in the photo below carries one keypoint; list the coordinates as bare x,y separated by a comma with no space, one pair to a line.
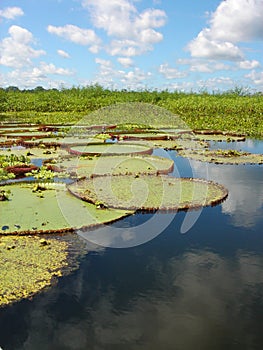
11,12
77,35
232,22
125,61
246,64
129,48
50,68
63,54
102,62
238,21
109,76
136,78
203,66
256,77
16,50
38,75
171,73
205,46
133,32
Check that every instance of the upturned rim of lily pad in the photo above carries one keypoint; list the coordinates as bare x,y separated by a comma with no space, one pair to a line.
90,192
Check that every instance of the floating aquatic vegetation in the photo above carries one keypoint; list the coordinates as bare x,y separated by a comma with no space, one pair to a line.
111,149
4,175
179,144
28,265
50,208
66,141
41,152
218,135
116,165
26,135
145,136
149,192
220,156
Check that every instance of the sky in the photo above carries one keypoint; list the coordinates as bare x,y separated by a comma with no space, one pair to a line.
170,45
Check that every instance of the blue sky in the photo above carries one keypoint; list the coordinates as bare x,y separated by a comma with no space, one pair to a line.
132,44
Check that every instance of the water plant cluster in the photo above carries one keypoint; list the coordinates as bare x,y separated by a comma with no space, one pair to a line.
28,265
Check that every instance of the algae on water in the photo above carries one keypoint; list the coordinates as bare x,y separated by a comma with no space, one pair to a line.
28,265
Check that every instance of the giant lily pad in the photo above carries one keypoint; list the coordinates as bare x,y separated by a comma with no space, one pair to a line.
149,192
27,135
29,264
36,152
220,156
111,149
117,165
179,144
62,141
217,135
48,208
145,136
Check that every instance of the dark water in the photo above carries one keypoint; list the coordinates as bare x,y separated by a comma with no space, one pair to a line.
199,290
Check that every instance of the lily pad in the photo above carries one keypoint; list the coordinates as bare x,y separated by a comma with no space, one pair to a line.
26,135
29,264
217,135
117,165
149,193
220,156
111,149
145,136
62,141
179,144
37,152
49,208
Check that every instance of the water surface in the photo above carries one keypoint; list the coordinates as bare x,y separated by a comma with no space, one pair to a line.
201,289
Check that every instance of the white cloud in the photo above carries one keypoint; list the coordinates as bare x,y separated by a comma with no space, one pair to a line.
171,73
109,76
125,61
238,21
111,15
129,48
50,68
204,66
11,12
136,78
204,46
16,50
77,35
33,76
256,77
133,32
231,23
102,62
63,54
248,64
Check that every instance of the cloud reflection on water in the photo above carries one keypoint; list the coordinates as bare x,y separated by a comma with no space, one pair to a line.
199,299
245,185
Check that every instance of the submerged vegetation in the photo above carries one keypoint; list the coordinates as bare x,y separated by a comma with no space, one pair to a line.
236,111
